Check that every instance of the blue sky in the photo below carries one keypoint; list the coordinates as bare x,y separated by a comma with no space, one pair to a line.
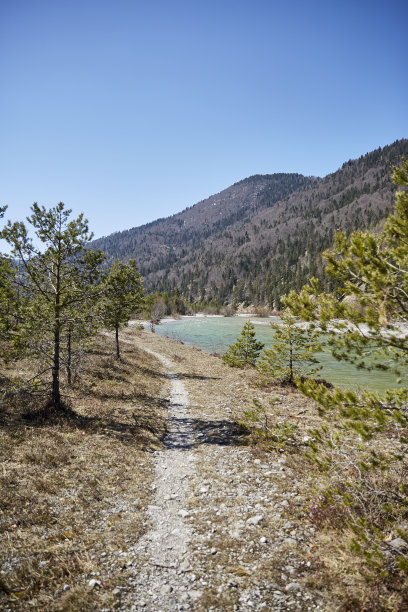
129,111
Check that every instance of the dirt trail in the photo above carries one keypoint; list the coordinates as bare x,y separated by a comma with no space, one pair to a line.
219,535
159,581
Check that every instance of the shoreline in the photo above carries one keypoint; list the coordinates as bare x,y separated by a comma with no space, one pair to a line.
200,315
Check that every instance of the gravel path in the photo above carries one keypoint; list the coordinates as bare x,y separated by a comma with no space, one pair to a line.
227,530
163,584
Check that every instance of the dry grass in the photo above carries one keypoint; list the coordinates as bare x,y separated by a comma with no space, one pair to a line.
73,489
219,396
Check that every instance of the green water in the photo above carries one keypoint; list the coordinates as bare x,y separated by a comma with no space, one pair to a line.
215,334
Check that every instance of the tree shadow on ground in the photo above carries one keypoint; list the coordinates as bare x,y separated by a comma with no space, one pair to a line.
222,432
185,376
141,433
141,425
187,433
180,375
136,418
132,397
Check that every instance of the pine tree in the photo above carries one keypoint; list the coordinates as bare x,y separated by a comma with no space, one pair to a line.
123,296
371,301
8,296
82,322
292,353
245,351
366,322
52,283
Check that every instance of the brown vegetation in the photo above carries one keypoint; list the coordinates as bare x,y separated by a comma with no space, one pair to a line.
74,488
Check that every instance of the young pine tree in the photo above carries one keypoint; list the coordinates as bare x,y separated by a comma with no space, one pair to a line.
9,306
366,321
123,296
292,353
245,351
54,279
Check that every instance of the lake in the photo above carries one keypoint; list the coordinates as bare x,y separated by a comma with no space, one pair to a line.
215,334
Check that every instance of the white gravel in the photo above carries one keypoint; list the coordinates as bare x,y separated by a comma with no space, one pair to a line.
162,583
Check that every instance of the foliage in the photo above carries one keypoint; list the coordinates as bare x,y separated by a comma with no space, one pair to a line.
257,420
292,353
365,450
56,285
245,351
123,296
157,312
8,294
364,316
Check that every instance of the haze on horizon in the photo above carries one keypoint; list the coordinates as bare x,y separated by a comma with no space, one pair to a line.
130,111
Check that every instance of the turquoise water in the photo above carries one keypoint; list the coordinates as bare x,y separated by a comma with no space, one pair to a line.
215,334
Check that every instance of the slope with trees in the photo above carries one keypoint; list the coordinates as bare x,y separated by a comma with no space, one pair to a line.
261,237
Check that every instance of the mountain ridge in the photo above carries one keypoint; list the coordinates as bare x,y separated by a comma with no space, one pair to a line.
267,233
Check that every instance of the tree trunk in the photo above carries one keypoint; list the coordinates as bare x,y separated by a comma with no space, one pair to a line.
56,397
291,366
117,342
69,358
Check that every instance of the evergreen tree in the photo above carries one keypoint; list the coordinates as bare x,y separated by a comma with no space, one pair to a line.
245,350
8,296
366,321
82,322
292,353
52,282
363,317
123,296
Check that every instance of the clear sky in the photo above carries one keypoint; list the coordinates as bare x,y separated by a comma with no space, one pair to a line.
131,110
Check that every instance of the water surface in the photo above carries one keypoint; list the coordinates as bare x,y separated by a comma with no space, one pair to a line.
215,334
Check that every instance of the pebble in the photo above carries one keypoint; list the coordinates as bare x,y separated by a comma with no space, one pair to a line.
255,520
292,586
94,583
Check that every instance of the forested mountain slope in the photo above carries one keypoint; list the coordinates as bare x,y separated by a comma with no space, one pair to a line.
262,236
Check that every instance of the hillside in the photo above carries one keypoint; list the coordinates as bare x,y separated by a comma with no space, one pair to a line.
262,236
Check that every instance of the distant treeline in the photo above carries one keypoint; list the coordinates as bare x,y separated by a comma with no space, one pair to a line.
167,304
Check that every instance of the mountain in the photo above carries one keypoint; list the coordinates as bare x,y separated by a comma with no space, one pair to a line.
262,236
